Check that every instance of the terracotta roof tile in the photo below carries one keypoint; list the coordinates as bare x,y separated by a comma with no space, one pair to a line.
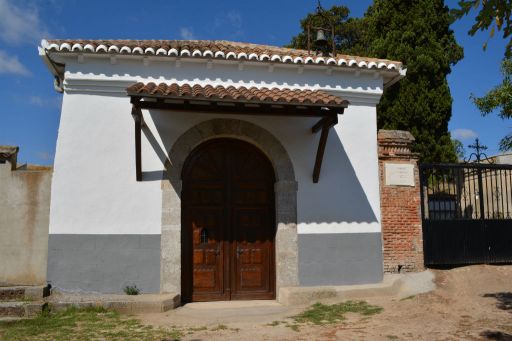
237,94
219,49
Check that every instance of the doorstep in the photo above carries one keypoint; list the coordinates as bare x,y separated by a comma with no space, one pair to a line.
400,285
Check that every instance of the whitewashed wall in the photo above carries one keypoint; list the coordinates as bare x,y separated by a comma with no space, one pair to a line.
94,189
105,227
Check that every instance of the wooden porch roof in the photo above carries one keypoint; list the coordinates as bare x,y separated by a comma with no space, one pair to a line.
236,100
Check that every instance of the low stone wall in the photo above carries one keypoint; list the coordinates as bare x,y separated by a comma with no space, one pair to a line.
24,215
400,202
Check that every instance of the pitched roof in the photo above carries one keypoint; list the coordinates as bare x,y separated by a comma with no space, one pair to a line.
219,49
238,94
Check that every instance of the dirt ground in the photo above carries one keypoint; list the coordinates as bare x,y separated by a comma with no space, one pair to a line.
470,303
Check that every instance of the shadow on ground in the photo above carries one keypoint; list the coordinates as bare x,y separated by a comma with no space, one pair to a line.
496,336
504,300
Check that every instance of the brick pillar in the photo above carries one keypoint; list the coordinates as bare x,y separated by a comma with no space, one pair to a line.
400,202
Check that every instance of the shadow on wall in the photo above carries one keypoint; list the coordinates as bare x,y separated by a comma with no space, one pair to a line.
343,197
338,197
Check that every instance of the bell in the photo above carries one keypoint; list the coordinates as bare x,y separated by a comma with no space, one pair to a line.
320,38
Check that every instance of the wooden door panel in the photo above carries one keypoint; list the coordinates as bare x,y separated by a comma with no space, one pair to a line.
251,196
207,226
253,252
228,191
251,278
212,196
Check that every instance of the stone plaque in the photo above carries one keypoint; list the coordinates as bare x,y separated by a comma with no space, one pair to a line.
399,174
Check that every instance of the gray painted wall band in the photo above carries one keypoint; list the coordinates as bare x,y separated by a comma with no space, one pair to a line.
340,259
104,263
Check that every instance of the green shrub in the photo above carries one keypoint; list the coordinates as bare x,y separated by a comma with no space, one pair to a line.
131,290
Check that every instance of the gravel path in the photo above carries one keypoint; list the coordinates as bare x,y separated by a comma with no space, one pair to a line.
470,303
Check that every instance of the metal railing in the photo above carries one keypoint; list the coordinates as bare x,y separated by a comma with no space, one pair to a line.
466,191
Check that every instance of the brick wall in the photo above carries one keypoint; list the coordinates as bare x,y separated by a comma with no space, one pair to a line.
400,203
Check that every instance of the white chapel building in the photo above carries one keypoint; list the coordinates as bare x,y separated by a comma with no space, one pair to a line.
212,169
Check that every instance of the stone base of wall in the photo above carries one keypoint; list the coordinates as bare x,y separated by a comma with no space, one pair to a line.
340,259
104,263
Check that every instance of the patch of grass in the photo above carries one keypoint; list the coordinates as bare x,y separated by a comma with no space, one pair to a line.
83,324
131,290
408,298
392,337
274,323
294,327
320,313
220,327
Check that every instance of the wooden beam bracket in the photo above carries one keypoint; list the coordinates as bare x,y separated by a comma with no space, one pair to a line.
137,116
325,124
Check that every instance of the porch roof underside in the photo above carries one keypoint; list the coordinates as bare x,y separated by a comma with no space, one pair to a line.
242,100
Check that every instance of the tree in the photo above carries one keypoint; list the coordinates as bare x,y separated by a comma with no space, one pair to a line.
500,97
459,149
493,14
416,32
347,30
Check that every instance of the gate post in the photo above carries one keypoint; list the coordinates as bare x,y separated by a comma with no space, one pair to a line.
400,202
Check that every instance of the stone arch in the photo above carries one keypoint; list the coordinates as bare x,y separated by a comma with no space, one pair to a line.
285,196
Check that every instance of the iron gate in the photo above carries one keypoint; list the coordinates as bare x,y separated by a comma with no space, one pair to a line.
467,213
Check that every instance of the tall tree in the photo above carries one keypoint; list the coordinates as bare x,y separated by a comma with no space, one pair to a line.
493,15
499,98
347,31
459,149
416,32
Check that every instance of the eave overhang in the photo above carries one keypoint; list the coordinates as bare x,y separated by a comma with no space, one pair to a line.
236,100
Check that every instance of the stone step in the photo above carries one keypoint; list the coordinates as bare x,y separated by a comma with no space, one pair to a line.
20,309
129,304
23,293
12,318
12,309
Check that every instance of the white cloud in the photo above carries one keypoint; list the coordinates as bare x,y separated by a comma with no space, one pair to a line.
230,22
464,134
234,18
11,64
52,102
19,25
187,34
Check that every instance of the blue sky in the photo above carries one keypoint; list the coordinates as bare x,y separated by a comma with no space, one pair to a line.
30,109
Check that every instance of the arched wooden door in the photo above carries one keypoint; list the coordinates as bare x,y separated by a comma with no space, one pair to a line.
228,223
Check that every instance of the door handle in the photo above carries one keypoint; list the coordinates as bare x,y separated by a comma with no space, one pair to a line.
239,252
217,252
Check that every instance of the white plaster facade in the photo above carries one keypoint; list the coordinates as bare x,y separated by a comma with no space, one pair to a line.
94,191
